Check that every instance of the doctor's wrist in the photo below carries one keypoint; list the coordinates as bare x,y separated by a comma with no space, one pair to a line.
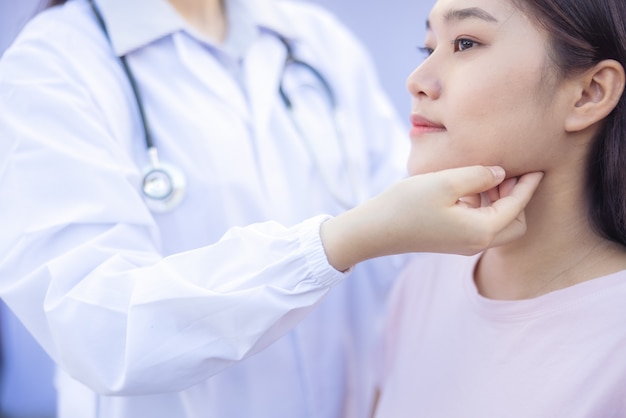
348,239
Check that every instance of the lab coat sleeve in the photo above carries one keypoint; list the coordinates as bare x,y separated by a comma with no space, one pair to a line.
80,262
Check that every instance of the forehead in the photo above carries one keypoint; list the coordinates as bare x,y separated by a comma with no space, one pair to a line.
490,11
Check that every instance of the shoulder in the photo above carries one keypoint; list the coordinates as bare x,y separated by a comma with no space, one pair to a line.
328,44
62,65
63,43
315,25
426,266
308,16
61,47
423,294
60,28
429,277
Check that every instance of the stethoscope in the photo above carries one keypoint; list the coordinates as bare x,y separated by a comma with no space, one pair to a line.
164,186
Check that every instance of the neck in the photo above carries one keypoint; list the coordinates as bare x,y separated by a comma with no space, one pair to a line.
559,249
206,16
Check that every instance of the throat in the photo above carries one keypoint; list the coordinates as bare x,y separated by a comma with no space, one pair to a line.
206,16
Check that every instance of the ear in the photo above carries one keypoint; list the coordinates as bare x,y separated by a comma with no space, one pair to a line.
598,91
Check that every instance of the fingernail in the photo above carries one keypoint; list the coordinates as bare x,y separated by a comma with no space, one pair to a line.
498,172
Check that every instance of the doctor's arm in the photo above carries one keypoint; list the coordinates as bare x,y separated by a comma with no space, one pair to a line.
425,214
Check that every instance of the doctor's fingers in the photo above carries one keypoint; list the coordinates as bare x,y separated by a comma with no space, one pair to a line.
495,193
504,220
503,189
467,182
467,186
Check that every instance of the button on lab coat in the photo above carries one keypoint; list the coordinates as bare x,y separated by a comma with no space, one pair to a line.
158,315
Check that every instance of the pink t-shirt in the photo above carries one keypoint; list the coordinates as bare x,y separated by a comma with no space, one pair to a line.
449,352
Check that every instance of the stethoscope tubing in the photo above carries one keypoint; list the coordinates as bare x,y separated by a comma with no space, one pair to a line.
131,79
291,59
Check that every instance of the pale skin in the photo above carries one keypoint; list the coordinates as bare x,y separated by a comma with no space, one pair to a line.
206,16
424,213
421,213
538,123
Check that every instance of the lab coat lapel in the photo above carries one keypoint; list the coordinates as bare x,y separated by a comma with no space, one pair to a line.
212,74
263,68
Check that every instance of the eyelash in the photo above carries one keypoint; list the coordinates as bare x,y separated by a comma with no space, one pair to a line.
457,42
427,51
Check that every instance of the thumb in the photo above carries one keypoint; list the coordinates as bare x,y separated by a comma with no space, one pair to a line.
520,194
472,180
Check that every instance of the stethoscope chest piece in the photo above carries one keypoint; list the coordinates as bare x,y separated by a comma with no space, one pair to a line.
163,187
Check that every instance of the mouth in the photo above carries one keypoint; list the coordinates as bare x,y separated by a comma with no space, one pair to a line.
420,125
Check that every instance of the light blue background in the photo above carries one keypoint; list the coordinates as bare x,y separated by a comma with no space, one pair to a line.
391,30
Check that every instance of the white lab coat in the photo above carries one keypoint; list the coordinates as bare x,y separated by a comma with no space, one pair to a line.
150,315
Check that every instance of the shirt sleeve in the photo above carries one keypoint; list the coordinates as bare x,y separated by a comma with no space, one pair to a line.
80,263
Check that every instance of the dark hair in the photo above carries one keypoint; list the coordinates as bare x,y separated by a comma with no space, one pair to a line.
51,3
583,33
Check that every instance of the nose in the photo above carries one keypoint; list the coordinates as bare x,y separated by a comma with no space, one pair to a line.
424,82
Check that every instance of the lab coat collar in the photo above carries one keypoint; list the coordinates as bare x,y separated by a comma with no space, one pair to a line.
133,24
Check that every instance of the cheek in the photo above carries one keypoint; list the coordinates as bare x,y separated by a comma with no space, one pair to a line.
503,120
471,137
506,100
490,122
495,108
446,150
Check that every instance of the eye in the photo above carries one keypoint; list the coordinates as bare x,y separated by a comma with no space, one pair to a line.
462,44
427,51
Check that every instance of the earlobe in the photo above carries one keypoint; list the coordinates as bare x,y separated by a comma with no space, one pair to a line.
598,92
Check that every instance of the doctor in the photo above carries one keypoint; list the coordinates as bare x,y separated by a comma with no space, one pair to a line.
127,186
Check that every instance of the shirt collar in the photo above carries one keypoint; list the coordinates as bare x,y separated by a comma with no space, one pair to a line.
133,24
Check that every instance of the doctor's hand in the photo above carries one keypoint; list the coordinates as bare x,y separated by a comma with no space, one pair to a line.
460,211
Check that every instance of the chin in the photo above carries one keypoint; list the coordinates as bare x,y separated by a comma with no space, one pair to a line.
415,171
424,166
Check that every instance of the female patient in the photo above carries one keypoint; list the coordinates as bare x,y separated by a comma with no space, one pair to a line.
535,328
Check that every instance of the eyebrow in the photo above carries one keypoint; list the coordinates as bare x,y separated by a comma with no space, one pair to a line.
469,13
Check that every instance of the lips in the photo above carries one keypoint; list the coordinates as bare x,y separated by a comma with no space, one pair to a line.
421,122
421,125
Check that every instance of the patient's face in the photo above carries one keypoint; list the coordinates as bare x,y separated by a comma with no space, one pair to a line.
487,93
